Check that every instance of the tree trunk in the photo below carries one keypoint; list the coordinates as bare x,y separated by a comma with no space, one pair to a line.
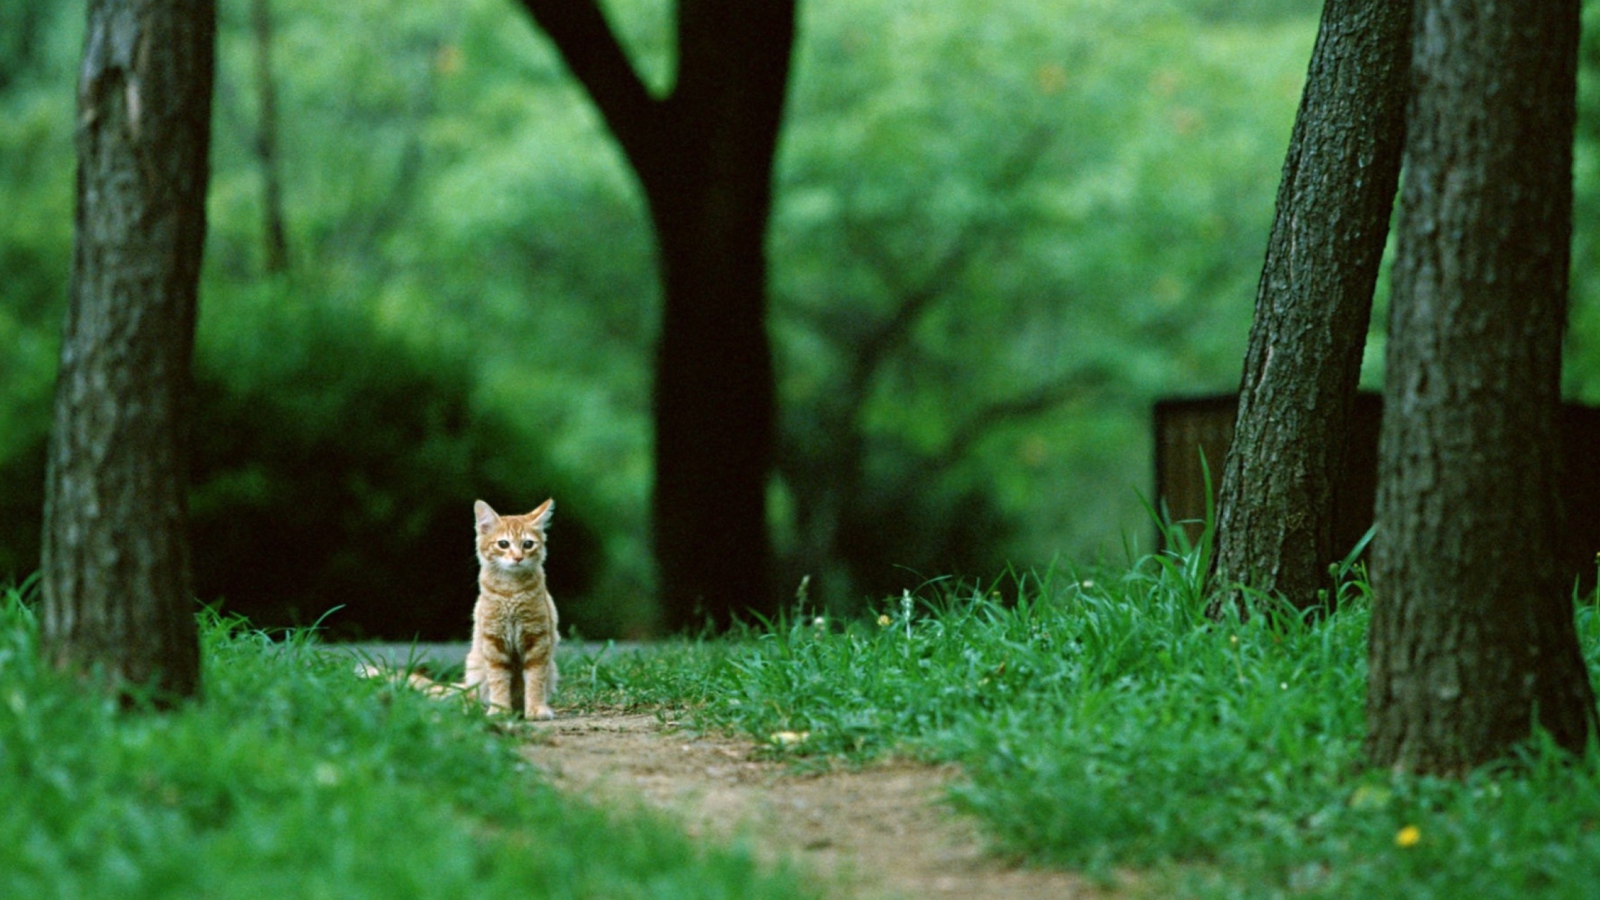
1313,304
118,606
704,156
714,406
1472,638
274,235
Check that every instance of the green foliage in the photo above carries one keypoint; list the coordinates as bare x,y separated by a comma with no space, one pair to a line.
1001,230
1000,233
335,467
36,96
294,777
1581,375
444,175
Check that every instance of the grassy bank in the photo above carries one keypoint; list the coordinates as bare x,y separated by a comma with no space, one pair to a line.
294,778
1107,725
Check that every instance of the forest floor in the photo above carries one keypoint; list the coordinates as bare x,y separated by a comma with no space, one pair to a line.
883,830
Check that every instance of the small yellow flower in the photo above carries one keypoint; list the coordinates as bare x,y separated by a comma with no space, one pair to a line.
789,738
885,621
1408,836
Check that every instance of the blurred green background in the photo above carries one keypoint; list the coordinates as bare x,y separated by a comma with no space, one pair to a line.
1061,205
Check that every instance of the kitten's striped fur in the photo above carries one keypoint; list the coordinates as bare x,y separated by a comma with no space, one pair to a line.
512,664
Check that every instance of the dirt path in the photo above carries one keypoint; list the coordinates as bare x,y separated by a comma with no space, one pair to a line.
883,831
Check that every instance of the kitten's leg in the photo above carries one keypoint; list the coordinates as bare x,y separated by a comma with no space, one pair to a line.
494,672
500,686
538,679
476,679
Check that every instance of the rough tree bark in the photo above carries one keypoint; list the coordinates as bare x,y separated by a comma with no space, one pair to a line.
1472,639
118,606
1313,303
703,154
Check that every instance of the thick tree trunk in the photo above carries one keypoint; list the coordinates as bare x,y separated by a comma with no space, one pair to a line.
704,156
715,431
118,606
1275,506
709,186
1472,638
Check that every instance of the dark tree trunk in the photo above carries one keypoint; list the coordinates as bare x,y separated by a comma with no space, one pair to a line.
704,156
715,429
1313,304
118,606
1472,633
274,236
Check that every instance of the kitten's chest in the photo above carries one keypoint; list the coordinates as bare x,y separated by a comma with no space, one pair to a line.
519,619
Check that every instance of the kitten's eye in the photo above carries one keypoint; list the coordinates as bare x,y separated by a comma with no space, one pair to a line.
527,544
503,545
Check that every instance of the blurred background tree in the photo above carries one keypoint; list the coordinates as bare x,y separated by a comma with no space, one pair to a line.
1001,230
701,148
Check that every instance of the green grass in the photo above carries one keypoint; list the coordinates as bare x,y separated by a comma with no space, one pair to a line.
295,778
1106,725
673,673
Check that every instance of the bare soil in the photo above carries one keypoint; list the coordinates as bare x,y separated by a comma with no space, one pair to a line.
881,831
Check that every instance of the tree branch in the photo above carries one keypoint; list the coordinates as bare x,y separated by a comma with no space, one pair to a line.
1040,399
596,58
974,235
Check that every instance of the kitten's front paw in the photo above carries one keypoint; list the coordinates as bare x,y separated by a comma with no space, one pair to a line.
543,713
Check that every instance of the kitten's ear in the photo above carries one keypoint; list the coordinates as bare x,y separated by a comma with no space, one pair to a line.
541,516
486,515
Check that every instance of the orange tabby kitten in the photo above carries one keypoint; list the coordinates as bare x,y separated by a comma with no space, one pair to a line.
514,622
